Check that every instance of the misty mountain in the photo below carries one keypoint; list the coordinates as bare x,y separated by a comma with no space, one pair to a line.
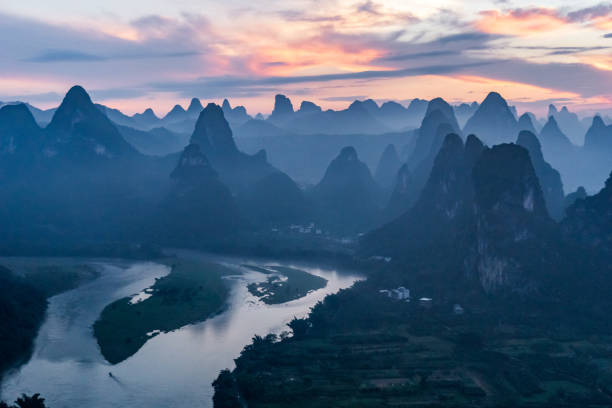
305,157
158,141
347,198
275,200
465,111
525,123
235,116
439,121
493,121
80,130
557,148
145,120
198,207
549,178
438,215
361,117
569,123
20,135
283,110
42,116
477,226
355,119
214,136
598,138
387,168
257,128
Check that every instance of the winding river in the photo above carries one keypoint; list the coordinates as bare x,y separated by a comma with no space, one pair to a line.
172,369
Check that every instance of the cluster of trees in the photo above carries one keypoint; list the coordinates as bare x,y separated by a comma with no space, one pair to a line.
25,401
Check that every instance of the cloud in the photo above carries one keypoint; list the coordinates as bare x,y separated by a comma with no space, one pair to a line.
520,22
64,56
527,21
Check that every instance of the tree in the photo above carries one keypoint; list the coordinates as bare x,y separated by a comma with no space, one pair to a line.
299,326
27,402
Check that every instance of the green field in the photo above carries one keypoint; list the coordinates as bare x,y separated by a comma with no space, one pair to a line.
275,289
192,292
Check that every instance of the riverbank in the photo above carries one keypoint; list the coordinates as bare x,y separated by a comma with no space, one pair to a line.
68,370
25,286
191,293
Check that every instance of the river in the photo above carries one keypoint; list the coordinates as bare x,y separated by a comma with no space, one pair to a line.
172,369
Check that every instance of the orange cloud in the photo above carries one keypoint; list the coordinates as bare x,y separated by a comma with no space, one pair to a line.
520,22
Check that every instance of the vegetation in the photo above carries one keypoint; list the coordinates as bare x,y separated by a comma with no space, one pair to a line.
276,290
22,309
25,284
359,348
26,402
191,293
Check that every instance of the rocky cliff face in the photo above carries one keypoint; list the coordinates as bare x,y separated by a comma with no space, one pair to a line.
511,220
550,179
480,224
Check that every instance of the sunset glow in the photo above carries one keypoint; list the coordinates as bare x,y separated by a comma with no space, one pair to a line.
377,49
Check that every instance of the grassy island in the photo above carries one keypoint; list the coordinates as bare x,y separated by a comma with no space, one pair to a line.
192,292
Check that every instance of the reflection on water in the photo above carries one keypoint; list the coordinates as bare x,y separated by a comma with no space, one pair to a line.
172,369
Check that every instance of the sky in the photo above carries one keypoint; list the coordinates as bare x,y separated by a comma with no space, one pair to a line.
134,54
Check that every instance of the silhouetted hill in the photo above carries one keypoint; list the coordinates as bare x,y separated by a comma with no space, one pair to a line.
276,200
438,216
571,198
198,207
493,121
347,197
464,112
388,166
156,142
480,225
79,130
256,128
283,110
214,136
439,121
589,221
550,179
569,123
235,116
525,123
19,133
598,139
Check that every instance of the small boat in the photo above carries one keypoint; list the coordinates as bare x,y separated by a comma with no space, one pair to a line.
110,374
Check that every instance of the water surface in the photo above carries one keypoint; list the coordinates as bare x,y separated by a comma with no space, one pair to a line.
172,369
